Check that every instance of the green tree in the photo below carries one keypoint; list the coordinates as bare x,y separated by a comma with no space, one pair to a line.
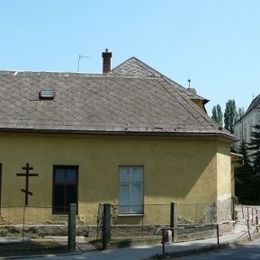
245,186
254,158
217,114
254,147
243,149
241,112
230,115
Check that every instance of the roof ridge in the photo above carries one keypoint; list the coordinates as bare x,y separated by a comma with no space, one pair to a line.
29,72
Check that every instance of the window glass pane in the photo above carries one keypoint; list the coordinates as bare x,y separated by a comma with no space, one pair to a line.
124,174
71,176
136,198
60,176
59,198
65,188
71,194
131,184
136,174
124,198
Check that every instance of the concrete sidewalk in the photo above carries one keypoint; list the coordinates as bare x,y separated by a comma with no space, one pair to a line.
144,252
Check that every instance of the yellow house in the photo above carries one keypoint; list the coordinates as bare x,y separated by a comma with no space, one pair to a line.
129,137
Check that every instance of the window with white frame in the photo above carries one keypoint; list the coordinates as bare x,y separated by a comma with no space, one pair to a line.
131,189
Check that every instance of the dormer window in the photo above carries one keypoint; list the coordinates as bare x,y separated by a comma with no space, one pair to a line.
46,94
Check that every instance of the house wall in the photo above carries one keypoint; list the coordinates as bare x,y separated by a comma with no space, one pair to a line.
224,183
183,170
244,127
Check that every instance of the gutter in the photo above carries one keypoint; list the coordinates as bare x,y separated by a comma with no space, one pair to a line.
121,133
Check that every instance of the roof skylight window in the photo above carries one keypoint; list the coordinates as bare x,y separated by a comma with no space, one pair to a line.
46,94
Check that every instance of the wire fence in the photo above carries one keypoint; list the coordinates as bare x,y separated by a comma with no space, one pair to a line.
30,228
35,227
145,223
199,213
192,221
247,219
147,220
179,223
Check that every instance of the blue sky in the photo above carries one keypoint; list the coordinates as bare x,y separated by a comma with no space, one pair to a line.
214,42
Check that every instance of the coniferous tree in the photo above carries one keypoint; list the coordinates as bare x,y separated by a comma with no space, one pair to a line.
244,177
254,155
217,114
254,148
230,115
241,112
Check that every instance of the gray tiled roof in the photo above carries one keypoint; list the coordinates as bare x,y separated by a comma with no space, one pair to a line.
254,104
110,103
136,68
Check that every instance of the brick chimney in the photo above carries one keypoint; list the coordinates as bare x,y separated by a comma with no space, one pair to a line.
106,61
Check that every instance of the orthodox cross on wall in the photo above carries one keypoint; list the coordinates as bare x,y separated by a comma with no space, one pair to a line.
27,174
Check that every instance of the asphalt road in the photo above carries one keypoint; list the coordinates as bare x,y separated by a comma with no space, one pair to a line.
247,251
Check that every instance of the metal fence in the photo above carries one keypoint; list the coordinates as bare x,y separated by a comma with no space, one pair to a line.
147,223
247,219
39,225
152,217
31,228
199,213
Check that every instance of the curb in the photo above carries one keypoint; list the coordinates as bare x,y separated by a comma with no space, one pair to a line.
43,255
206,249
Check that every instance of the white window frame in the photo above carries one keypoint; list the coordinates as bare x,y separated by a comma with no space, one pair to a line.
130,209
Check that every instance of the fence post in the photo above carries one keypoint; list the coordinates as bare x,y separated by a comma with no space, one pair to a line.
173,220
218,234
23,230
247,213
106,228
248,228
233,207
72,227
256,221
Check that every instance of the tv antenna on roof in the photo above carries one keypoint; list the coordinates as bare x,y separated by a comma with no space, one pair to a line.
189,81
81,56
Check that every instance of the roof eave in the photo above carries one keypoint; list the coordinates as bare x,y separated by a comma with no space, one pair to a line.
230,137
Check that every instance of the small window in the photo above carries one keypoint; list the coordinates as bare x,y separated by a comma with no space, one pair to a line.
131,189
46,94
65,188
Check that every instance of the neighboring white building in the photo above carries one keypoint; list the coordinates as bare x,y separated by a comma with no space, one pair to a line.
244,127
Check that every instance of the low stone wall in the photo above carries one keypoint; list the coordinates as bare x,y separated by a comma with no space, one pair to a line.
189,232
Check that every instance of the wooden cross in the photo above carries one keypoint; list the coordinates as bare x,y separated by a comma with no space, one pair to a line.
26,191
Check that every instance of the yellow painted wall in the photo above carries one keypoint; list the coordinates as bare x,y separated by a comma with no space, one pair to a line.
224,183
224,171
184,170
